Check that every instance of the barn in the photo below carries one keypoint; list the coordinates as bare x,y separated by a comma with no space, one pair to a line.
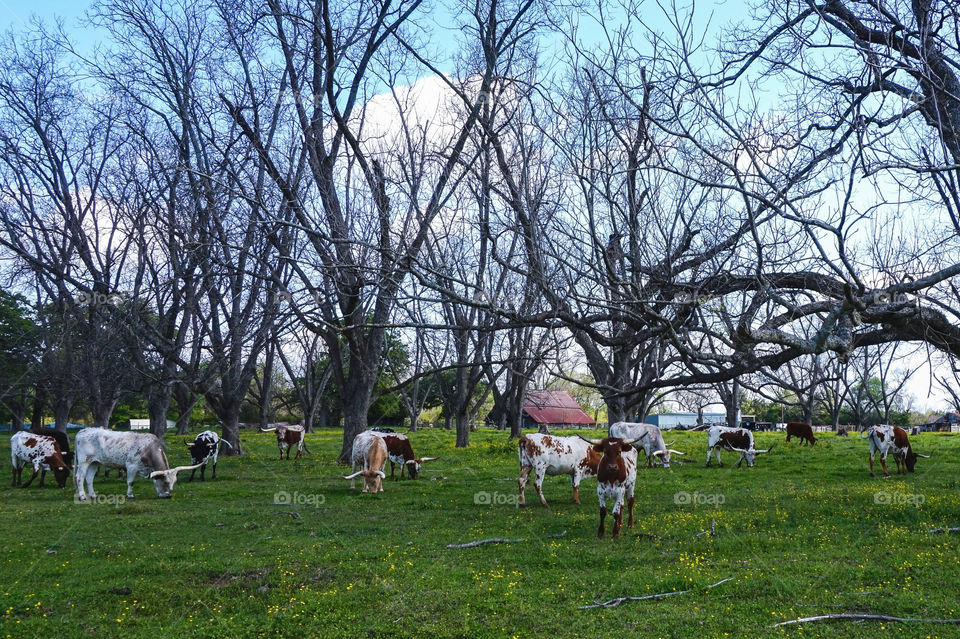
545,409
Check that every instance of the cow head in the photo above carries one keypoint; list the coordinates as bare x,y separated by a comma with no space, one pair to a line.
60,472
610,449
372,480
413,465
664,454
748,454
910,459
164,480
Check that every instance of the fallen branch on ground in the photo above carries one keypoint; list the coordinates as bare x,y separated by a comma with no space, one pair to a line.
649,536
937,531
480,542
712,532
619,600
860,617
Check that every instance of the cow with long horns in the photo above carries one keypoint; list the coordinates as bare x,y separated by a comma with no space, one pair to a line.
552,455
205,448
616,479
370,453
885,439
648,438
739,440
137,453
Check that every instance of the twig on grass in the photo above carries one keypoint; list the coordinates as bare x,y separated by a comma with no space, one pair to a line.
480,542
863,617
619,600
938,531
649,536
712,532
558,535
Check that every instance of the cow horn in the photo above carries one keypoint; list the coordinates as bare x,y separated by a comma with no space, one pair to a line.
359,472
924,456
382,474
225,442
764,451
671,443
193,467
267,430
189,444
592,442
659,452
426,459
675,452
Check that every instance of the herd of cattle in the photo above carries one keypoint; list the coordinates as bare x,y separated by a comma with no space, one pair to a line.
612,460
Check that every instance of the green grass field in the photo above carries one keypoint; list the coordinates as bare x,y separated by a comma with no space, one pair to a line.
805,532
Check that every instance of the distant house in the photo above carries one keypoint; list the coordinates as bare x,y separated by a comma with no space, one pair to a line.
948,422
668,421
553,409
144,424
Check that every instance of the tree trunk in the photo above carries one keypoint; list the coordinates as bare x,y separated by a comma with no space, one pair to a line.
355,411
616,409
231,432
102,410
186,399
463,429
61,413
448,422
39,397
158,401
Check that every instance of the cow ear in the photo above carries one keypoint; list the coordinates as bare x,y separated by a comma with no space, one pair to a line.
598,448
626,447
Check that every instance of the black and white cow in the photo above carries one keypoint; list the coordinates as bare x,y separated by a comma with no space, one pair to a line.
137,453
205,447
739,440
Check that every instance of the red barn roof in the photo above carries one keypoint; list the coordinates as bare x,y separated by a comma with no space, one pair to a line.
554,407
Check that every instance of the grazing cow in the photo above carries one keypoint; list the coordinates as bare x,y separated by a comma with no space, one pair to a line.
137,453
616,478
739,440
553,455
885,439
801,430
62,441
206,447
647,438
287,438
400,452
370,453
39,451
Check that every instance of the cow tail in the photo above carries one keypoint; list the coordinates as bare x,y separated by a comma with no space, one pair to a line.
305,447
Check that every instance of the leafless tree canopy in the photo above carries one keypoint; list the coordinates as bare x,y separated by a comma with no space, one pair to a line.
231,192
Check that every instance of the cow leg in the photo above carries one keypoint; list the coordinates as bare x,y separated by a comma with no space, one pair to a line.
716,452
36,471
13,470
43,477
203,472
192,473
88,477
538,484
617,517
403,467
630,511
213,473
394,478
872,474
883,462
709,452
575,478
603,515
131,475
788,438
521,482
